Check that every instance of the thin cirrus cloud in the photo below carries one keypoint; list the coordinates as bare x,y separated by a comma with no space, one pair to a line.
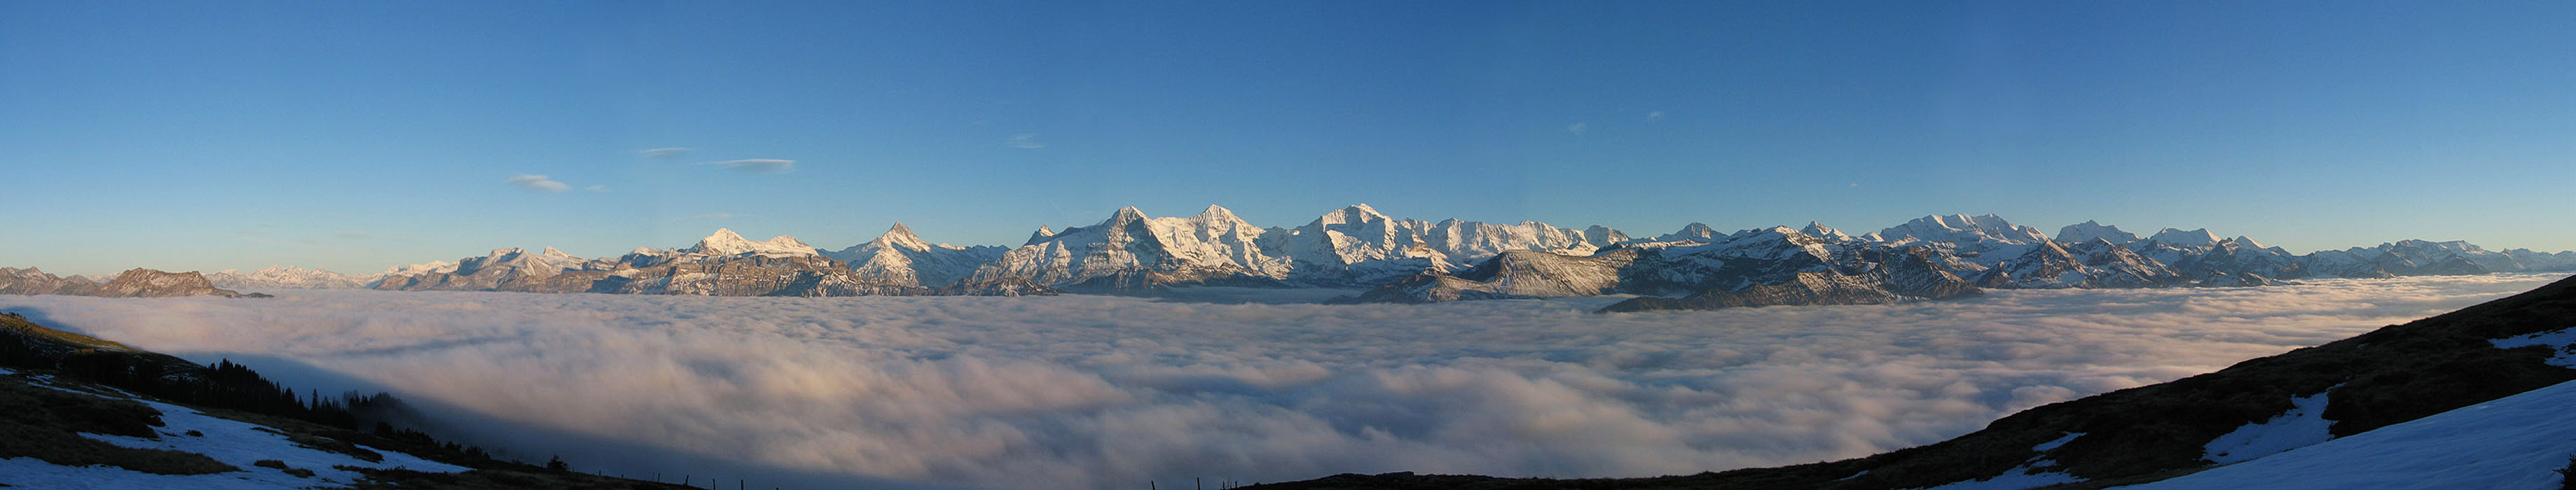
537,182
668,152
759,165
999,392
1578,128
1024,141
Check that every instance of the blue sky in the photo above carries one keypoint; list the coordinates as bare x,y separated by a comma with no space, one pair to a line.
359,135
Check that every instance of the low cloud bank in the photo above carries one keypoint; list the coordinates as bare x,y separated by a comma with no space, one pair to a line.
1105,392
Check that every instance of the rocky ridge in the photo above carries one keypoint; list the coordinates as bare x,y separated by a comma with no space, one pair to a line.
133,283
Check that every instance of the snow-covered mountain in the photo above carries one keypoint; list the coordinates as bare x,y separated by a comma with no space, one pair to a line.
1356,245
488,272
901,257
1131,251
2089,230
1984,240
287,277
1694,232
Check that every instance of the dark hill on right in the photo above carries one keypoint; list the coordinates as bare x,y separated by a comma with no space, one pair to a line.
2255,408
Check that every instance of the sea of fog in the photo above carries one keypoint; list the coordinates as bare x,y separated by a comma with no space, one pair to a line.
1114,392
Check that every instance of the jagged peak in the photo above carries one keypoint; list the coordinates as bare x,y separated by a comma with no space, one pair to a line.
1043,234
1125,215
1819,230
898,236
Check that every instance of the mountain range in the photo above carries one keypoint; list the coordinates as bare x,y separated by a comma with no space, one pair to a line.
1408,260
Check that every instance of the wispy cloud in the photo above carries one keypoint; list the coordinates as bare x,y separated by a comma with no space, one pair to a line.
1650,116
1577,128
716,216
1024,140
360,235
596,188
536,182
759,165
663,152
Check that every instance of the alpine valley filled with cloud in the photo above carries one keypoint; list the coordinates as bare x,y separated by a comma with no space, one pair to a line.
1318,245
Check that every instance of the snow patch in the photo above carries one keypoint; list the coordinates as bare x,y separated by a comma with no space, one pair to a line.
2512,442
2061,441
2304,424
2561,340
2019,478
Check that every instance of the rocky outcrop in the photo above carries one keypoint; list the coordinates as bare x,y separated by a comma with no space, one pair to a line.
1513,274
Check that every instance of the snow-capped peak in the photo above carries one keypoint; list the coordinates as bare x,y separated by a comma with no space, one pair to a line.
899,236
1124,215
726,242
1960,228
2185,238
1215,212
1697,232
1041,235
2090,230
2248,242
1356,213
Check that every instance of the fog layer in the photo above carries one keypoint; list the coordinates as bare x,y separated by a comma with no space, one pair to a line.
1084,391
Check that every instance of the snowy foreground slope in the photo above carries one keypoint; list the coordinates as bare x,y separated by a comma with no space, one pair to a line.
2516,442
2302,419
240,444
81,412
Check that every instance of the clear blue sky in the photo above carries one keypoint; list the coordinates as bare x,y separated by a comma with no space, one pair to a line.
359,135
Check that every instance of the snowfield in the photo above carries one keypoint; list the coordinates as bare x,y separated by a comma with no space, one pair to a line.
1106,392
